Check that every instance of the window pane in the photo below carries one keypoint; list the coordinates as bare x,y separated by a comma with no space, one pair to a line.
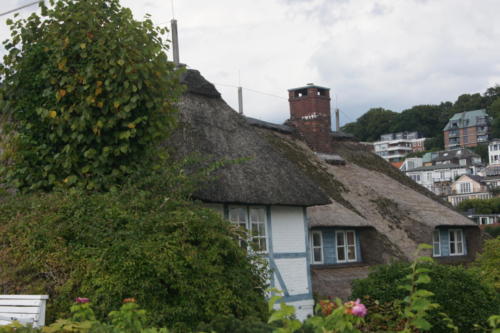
351,253
263,246
317,254
340,238
436,236
242,214
460,248
452,236
255,229
316,239
452,248
350,238
340,253
459,235
436,249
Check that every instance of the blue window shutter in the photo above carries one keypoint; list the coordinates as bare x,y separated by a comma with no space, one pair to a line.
329,250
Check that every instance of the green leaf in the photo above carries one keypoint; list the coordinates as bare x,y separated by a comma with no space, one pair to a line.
422,324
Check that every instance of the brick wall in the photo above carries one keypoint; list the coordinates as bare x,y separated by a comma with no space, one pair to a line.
311,115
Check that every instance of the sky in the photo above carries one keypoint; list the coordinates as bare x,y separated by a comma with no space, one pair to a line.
371,53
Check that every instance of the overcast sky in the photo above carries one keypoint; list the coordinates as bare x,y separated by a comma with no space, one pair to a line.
371,53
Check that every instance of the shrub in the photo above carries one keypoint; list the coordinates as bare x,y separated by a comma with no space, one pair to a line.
488,263
144,241
459,292
492,230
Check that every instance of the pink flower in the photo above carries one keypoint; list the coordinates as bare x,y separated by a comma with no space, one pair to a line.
82,300
359,309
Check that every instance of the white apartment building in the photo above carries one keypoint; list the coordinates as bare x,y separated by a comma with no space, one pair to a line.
393,147
494,151
438,178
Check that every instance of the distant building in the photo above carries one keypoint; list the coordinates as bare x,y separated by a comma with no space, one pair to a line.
438,178
468,187
393,147
484,219
437,171
466,129
494,152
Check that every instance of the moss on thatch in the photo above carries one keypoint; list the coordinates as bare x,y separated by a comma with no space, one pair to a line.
316,171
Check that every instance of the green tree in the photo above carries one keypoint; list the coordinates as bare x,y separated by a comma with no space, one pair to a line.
372,124
424,119
87,93
494,112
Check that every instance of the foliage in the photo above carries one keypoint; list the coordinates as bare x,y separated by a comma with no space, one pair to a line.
492,230
235,325
481,206
488,263
87,94
482,151
460,293
145,241
372,124
428,120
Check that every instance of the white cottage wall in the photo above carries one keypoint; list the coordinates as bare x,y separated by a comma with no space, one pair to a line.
287,236
288,229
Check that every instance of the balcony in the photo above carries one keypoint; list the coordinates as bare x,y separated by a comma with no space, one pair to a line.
453,134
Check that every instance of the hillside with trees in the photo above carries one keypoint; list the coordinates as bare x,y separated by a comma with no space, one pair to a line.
429,120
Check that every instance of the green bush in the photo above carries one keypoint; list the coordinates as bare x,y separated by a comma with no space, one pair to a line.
144,241
459,292
492,230
488,263
231,324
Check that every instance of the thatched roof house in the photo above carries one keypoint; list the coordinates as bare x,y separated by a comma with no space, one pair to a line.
264,191
376,214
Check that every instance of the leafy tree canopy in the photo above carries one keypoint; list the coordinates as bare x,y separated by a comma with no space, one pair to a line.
428,120
372,124
481,206
87,93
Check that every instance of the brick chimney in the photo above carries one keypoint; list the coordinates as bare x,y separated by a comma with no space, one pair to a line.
310,114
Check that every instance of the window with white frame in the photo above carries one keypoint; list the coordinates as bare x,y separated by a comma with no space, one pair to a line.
465,187
346,246
254,220
317,247
456,242
436,243
258,228
485,220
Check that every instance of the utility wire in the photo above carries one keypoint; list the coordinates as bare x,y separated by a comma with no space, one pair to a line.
19,8
252,90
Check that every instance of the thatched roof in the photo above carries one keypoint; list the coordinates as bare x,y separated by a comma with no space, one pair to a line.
368,191
210,127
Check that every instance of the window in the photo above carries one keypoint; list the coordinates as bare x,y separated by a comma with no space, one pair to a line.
258,228
484,220
317,247
456,242
346,246
436,244
252,219
465,188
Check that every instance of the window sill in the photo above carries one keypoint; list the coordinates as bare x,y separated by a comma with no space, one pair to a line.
342,265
